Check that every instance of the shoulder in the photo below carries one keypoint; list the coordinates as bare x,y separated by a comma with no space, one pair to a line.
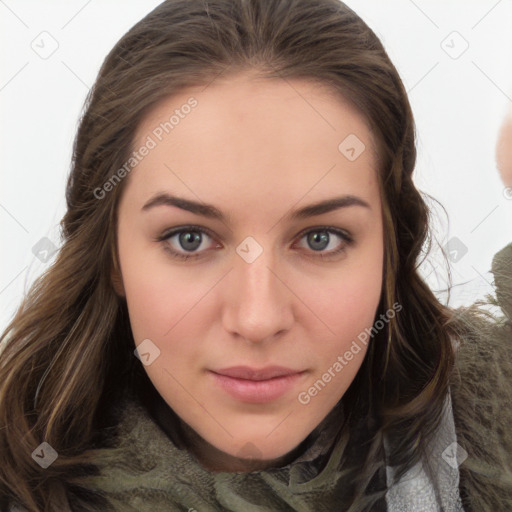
481,387
502,271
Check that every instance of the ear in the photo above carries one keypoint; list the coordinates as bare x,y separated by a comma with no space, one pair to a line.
116,276
117,283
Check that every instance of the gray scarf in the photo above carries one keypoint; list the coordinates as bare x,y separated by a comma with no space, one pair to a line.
417,491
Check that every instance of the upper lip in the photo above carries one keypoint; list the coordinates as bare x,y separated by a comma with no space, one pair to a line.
248,373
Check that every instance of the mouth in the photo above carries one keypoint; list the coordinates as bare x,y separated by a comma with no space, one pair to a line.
253,385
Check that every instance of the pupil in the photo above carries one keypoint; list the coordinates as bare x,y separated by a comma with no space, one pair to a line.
190,240
318,240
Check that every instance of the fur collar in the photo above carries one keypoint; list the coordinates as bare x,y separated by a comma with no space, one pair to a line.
153,473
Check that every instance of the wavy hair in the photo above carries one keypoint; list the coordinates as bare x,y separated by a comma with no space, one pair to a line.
68,351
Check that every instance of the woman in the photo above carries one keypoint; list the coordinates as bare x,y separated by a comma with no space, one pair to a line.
235,320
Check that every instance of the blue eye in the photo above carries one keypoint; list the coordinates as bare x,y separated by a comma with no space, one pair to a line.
192,241
319,239
189,239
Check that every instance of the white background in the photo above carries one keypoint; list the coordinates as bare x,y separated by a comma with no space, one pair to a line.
458,104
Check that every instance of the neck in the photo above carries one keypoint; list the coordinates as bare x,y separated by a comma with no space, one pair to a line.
213,459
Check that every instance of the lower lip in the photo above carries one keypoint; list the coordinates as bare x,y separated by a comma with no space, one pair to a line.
257,391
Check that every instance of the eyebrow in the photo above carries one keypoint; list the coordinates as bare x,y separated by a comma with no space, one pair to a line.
211,212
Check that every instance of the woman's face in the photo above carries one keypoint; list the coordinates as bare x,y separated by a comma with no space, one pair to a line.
254,338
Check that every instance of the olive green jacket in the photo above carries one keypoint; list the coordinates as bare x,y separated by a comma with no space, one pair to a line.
154,474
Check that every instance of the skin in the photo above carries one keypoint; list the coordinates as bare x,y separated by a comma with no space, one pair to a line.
256,149
504,150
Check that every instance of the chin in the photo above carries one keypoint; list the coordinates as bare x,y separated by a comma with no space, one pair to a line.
263,441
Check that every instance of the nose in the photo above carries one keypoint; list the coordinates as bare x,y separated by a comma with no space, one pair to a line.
258,305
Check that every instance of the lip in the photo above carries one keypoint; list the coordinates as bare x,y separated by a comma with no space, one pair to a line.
248,373
254,385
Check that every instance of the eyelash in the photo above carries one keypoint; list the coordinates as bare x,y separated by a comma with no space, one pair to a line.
347,239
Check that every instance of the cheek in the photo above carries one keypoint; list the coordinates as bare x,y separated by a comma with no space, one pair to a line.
157,297
347,306
349,301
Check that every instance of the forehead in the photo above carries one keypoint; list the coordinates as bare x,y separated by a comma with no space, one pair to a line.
279,137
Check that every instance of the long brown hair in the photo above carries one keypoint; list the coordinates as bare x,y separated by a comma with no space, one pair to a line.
69,349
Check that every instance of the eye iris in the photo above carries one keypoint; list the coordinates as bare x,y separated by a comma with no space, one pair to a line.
190,240
318,240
